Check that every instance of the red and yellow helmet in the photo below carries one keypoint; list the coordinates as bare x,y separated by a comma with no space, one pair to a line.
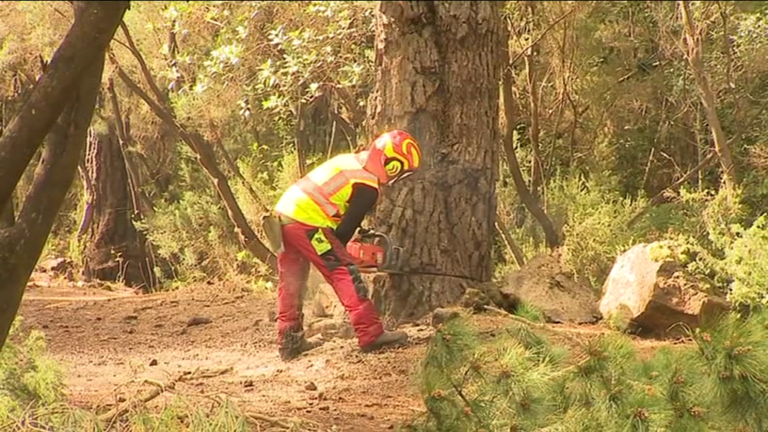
394,155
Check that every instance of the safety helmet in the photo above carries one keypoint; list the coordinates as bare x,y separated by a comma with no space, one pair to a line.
393,156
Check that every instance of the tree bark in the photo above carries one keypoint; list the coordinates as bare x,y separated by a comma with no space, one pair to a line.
114,251
141,203
85,221
7,215
20,246
438,72
694,56
513,247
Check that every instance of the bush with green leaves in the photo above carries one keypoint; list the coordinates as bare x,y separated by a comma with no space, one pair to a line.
518,380
194,235
28,377
747,263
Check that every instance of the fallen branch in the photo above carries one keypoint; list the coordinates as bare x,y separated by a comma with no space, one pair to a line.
540,326
513,247
256,417
159,388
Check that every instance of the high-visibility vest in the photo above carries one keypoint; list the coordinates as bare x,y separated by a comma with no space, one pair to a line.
321,197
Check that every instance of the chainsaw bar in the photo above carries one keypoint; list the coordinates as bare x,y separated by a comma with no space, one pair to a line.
372,270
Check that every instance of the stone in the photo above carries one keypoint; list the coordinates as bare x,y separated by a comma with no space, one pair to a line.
656,296
545,285
55,265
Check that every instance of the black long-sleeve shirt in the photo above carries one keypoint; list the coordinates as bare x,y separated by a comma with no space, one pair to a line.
361,201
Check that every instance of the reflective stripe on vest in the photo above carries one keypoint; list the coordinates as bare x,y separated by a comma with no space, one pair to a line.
321,197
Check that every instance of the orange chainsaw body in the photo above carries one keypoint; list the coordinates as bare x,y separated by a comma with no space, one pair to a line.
374,252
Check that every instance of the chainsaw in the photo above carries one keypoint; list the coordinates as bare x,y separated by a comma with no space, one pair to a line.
374,252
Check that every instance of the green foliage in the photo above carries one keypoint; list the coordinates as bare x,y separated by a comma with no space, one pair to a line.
28,377
521,381
191,233
619,118
746,262
180,416
529,312
594,219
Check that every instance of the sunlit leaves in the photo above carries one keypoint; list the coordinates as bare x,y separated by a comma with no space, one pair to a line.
224,56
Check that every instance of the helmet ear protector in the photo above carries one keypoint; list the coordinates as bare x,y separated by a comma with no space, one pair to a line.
393,166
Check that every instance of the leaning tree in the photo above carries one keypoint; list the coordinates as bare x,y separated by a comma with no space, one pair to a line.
60,107
438,70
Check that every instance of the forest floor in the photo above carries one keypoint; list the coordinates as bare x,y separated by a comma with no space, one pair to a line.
109,341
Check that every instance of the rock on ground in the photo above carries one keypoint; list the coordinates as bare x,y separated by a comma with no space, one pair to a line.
544,284
655,296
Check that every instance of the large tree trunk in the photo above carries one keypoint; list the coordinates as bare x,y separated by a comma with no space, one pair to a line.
7,215
114,251
438,77
71,98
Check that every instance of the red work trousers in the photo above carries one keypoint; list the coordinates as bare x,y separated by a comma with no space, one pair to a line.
304,244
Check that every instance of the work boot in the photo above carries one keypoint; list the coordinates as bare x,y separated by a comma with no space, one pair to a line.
386,340
294,344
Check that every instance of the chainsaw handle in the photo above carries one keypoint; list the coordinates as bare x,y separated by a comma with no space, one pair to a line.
371,234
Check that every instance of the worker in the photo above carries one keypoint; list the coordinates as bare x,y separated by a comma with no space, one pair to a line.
317,216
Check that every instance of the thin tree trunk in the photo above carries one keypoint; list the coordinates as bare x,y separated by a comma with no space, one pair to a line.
205,156
7,212
85,221
694,56
67,91
533,106
141,203
78,50
300,133
526,197
233,168
513,247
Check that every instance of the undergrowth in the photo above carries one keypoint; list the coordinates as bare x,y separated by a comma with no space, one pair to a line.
32,398
521,381
718,238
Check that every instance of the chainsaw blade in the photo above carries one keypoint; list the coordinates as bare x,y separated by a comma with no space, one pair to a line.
371,270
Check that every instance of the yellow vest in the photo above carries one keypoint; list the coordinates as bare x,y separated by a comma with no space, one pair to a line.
321,197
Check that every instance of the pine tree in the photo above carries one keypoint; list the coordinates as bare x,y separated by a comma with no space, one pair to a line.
519,380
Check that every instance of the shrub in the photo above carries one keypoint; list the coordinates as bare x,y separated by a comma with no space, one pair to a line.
519,380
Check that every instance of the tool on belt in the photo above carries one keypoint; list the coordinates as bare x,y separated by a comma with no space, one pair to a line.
373,252
273,229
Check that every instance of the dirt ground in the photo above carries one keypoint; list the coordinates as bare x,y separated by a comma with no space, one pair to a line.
107,339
